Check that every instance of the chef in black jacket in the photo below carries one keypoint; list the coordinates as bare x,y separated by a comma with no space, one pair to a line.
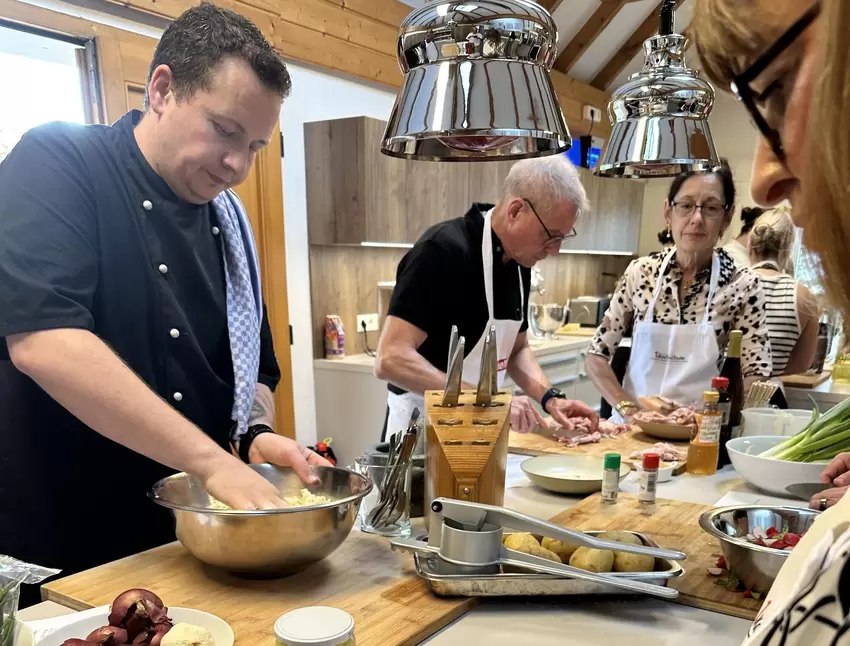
136,341
475,272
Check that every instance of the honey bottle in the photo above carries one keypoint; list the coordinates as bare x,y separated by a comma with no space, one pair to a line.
704,449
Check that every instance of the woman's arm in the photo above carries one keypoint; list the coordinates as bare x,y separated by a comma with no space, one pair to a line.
803,353
617,320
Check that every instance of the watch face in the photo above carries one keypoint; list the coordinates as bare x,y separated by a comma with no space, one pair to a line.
558,393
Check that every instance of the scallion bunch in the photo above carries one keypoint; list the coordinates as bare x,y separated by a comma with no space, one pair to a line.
823,438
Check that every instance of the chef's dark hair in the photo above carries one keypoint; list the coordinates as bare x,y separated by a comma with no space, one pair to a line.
724,174
201,37
749,215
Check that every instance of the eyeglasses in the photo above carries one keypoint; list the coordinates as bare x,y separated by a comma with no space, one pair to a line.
549,237
751,99
709,211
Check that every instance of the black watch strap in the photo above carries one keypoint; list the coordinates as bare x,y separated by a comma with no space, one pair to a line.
248,438
552,392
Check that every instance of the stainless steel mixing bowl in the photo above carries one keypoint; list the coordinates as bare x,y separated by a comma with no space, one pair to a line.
548,318
265,543
756,566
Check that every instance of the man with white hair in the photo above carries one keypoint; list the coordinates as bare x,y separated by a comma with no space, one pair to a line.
474,272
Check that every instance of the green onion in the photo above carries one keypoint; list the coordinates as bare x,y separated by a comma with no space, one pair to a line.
824,437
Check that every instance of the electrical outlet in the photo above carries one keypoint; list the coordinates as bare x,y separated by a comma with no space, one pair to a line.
592,114
371,321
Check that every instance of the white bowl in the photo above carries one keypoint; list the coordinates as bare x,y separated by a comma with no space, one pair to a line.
23,634
762,422
80,629
769,474
572,474
665,470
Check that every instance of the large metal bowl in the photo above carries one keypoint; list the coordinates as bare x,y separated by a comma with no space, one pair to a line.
548,318
265,543
756,566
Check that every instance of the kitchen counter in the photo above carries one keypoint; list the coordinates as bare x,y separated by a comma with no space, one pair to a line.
540,347
827,395
600,622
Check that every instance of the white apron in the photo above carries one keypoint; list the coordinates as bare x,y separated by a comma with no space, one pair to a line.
675,361
401,406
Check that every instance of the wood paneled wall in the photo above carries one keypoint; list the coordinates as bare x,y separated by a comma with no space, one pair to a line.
344,281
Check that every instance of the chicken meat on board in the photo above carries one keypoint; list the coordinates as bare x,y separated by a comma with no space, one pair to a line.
580,431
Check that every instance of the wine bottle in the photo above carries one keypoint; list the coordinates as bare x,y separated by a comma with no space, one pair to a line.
732,372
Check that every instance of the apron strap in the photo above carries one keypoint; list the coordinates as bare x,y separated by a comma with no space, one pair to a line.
487,258
712,289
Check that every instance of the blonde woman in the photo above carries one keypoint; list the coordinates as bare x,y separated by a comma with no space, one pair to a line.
792,323
788,61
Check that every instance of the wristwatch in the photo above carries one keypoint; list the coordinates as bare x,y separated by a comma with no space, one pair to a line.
552,392
624,406
248,438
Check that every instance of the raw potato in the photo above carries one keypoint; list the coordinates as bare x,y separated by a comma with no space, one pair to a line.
592,560
625,561
526,543
620,537
563,549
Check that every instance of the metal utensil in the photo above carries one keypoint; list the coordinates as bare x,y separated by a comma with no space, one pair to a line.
488,380
388,485
398,501
468,537
806,490
454,375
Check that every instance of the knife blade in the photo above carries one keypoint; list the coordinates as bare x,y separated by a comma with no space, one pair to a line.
806,490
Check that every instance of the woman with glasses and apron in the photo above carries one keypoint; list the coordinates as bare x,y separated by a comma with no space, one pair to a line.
682,303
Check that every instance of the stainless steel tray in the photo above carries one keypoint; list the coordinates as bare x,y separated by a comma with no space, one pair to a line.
521,584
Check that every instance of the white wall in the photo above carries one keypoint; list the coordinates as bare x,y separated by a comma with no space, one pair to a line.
735,139
315,97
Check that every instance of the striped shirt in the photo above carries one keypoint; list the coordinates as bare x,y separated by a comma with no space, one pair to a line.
783,320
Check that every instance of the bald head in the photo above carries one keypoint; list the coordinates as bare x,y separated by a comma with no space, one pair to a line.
541,200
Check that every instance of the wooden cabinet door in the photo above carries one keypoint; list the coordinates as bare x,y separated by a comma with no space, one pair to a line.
123,60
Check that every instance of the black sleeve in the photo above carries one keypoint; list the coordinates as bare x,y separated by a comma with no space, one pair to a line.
422,287
269,370
48,234
526,294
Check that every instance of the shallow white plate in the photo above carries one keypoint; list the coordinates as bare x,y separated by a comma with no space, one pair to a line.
665,470
568,473
81,628
665,431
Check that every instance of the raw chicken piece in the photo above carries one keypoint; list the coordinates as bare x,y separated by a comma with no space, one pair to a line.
666,452
579,431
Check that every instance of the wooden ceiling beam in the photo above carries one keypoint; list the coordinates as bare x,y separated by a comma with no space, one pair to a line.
587,35
550,5
629,50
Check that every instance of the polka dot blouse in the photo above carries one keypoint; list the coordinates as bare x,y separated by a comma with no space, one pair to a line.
738,304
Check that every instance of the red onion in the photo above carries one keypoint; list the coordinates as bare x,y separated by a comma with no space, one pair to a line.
159,633
109,636
137,611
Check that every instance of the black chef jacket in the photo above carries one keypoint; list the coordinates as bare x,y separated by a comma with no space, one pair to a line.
92,238
440,283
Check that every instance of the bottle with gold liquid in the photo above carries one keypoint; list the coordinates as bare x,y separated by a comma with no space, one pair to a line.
704,449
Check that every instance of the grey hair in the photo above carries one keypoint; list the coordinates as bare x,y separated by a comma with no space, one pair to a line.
546,180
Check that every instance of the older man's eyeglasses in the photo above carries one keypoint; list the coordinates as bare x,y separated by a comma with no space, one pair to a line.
778,90
550,238
711,211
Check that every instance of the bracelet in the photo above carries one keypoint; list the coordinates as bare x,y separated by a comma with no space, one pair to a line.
625,405
248,438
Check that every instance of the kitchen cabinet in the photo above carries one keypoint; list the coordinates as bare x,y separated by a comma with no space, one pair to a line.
355,194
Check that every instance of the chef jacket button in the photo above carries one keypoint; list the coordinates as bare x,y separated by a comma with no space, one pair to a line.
163,269
216,231
178,397
174,333
147,205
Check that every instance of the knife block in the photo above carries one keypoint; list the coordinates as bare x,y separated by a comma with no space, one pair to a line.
466,448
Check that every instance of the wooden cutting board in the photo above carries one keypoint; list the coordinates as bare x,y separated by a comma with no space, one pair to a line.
805,380
675,525
542,444
391,606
